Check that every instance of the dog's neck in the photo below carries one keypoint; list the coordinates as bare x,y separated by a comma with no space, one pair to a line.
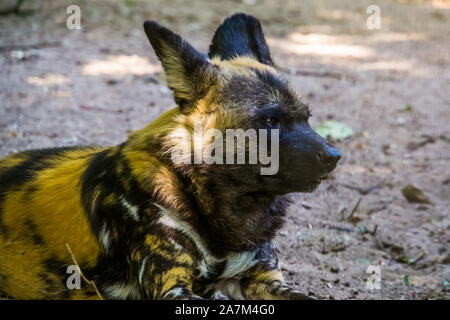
229,218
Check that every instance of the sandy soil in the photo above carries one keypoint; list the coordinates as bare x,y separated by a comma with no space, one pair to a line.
95,85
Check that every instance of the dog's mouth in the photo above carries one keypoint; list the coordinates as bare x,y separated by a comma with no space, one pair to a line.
310,187
325,176
282,185
313,185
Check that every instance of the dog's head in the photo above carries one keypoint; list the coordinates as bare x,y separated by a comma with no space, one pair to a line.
238,86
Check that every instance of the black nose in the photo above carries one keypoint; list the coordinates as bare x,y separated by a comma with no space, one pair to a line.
329,157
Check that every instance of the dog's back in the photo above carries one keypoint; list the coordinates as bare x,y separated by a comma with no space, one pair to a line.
41,211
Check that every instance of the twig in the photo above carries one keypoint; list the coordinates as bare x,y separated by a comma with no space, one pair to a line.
417,258
38,45
305,205
374,231
378,209
100,109
335,227
342,213
310,73
339,228
354,208
365,190
90,282
379,243
412,146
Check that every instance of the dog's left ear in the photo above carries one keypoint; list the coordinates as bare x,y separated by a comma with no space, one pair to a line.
240,35
188,72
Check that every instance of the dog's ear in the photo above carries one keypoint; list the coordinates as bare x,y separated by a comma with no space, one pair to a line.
240,35
188,72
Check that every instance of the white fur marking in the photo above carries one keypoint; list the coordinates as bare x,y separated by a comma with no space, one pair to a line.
230,288
104,237
175,244
171,220
102,174
122,291
141,271
175,292
238,263
131,210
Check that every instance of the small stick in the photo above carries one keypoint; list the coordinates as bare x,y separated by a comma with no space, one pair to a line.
92,108
338,228
412,146
364,191
310,73
30,46
379,243
417,258
92,283
374,231
383,207
354,209
342,213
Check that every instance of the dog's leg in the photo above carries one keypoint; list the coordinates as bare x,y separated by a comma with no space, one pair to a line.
268,285
265,281
166,279
163,271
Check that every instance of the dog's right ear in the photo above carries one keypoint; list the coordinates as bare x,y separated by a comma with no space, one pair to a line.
240,35
188,72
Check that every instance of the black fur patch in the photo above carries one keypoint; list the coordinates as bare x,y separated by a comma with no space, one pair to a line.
265,95
108,271
101,174
240,35
35,236
14,178
58,268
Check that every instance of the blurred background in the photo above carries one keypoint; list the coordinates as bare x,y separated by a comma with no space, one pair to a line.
381,94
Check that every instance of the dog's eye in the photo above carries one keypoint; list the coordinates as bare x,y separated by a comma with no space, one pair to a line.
272,122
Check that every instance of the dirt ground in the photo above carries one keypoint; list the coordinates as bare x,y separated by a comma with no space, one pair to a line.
392,86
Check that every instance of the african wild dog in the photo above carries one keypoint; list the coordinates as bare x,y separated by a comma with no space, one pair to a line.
142,226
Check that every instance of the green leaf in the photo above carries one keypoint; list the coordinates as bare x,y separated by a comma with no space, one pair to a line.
406,280
403,259
413,194
406,108
363,261
335,130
